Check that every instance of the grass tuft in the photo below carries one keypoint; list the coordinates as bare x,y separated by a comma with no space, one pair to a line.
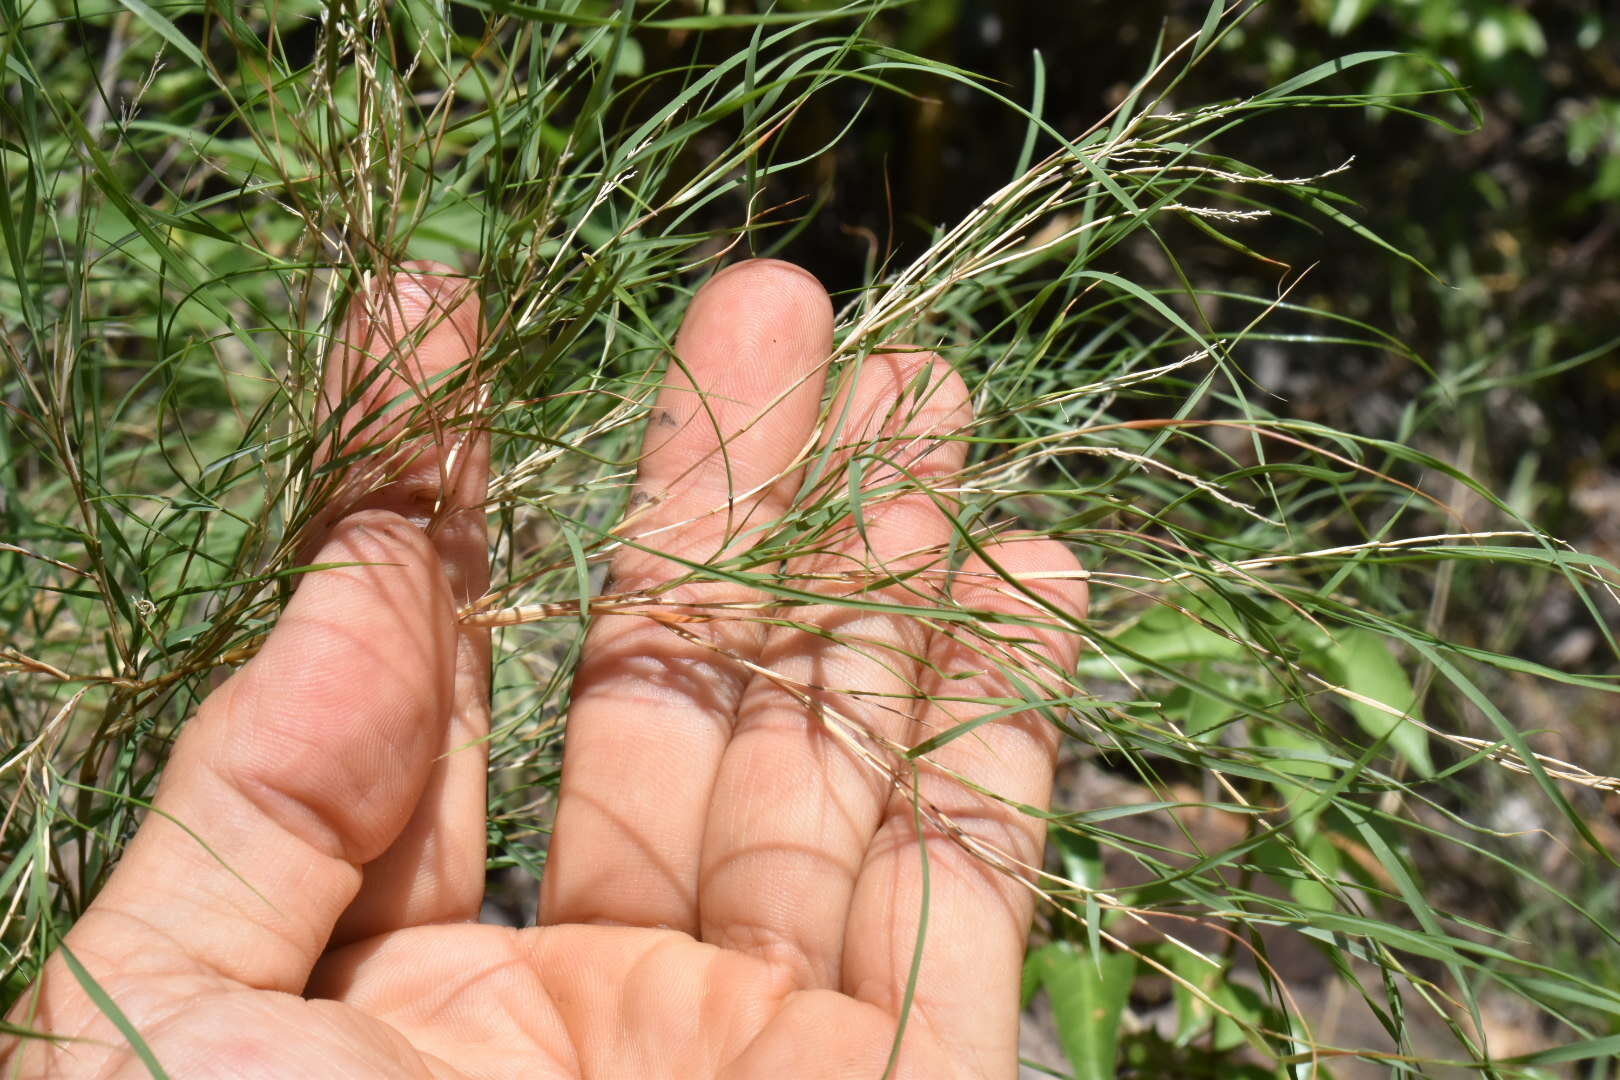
1272,745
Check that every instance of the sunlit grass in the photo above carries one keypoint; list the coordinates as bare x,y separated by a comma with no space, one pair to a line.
192,190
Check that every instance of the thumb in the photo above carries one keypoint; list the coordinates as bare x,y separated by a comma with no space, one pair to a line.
301,767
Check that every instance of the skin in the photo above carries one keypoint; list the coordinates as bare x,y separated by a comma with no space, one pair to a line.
730,893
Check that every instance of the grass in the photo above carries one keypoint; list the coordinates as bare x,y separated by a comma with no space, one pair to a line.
1298,750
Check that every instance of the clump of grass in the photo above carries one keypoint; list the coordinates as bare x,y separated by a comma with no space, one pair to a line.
194,188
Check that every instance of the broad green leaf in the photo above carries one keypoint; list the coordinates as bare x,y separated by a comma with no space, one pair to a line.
1233,1010
1360,661
1298,754
1326,861
1167,635
1082,857
1202,715
1088,993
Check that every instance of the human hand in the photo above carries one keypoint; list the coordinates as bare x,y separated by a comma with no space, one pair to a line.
736,879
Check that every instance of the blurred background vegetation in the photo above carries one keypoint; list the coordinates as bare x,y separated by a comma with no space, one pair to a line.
1518,218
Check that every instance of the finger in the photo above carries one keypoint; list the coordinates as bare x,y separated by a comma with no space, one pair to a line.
978,917
301,768
795,806
403,384
651,710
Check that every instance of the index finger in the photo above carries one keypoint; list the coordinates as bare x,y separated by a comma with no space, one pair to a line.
404,389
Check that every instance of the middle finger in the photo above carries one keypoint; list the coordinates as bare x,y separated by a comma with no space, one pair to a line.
652,710
795,804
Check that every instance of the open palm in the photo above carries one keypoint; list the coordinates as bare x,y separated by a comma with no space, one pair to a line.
736,879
